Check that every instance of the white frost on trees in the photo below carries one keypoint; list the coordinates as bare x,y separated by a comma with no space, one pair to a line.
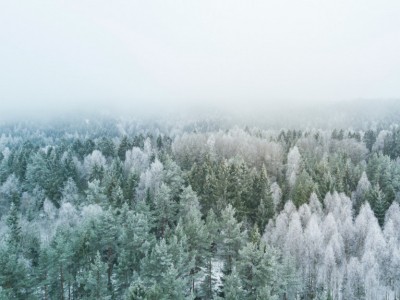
337,254
136,160
293,165
95,159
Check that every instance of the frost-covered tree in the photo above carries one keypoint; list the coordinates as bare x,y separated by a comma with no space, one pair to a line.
293,168
259,270
360,195
232,237
95,281
165,210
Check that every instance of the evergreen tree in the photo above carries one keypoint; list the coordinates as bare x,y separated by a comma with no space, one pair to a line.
291,283
392,144
234,191
196,233
109,233
95,193
123,147
138,291
14,237
135,241
233,287
208,286
360,195
231,238
303,188
161,275
42,274
261,208
129,189
209,197
165,210
378,203
258,269
60,254
369,139
15,280
223,176
107,147
95,281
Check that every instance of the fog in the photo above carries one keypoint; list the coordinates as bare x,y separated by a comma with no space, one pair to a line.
165,56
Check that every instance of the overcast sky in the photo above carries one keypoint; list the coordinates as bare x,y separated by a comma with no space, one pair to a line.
58,55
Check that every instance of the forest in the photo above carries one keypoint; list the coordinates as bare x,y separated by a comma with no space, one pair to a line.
124,209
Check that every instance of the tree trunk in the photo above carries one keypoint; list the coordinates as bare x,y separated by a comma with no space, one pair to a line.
110,268
62,282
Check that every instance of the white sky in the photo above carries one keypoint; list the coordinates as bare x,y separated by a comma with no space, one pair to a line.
58,55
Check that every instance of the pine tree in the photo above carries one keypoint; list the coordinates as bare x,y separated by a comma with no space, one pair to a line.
60,254
135,241
231,238
156,263
261,208
369,139
138,291
361,193
129,189
234,191
117,196
171,287
14,237
172,176
233,287
209,284
109,232
15,279
223,177
195,230
107,147
123,147
165,210
209,197
95,193
303,188
43,272
95,282
378,203
163,271
258,269
291,283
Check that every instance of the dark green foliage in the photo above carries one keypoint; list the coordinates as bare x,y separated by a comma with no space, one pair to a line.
106,146
135,241
165,210
392,144
47,172
378,203
258,269
123,147
338,134
303,188
231,239
14,235
369,139
129,188
14,276
233,287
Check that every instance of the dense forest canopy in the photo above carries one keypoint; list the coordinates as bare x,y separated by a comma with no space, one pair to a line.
127,209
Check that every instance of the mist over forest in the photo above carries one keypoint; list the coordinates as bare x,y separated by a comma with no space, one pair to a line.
214,206
356,114
202,150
